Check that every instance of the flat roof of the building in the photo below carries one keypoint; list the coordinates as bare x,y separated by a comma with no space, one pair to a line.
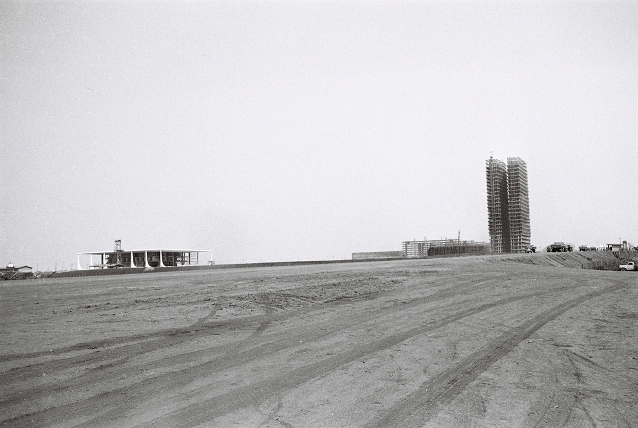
164,250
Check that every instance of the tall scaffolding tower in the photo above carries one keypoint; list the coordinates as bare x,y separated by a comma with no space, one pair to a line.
118,252
518,205
498,206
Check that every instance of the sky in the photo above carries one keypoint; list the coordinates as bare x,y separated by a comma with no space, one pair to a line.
309,130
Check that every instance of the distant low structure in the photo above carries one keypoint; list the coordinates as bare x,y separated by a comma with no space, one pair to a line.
16,272
11,268
146,258
415,249
376,255
614,247
443,247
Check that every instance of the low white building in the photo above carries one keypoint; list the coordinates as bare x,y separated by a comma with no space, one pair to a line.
145,258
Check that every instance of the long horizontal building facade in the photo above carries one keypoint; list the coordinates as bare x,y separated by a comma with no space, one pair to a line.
443,247
377,255
146,258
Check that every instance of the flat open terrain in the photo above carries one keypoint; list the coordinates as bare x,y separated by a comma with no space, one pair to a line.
466,342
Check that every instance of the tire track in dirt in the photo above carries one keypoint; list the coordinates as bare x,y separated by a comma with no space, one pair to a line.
155,385
557,410
135,394
251,395
234,355
109,359
419,407
566,406
569,393
202,321
203,324
239,357
270,310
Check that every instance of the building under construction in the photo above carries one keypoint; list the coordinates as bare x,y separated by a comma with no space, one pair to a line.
508,205
443,247
518,205
144,258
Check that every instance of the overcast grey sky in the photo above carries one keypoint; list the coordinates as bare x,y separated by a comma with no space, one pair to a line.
309,130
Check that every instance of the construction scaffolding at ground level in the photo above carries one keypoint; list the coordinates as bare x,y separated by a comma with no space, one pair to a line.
443,247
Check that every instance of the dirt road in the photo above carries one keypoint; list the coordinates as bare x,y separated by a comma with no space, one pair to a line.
476,341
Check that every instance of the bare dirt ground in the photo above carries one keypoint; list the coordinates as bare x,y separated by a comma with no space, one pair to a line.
465,342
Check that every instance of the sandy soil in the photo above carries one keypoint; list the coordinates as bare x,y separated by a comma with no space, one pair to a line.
466,342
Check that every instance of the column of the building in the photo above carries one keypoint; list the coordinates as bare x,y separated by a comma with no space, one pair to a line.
146,265
161,262
79,267
132,260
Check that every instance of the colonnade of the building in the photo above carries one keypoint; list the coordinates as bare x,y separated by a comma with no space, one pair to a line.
146,263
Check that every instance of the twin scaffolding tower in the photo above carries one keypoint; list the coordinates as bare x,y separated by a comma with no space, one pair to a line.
508,205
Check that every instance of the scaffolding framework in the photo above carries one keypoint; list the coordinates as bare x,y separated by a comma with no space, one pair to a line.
498,205
518,207
443,247
508,205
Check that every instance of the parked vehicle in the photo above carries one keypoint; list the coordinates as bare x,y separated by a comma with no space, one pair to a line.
628,266
559,247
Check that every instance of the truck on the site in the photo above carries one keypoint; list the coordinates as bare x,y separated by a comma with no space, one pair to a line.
628,266
559,247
